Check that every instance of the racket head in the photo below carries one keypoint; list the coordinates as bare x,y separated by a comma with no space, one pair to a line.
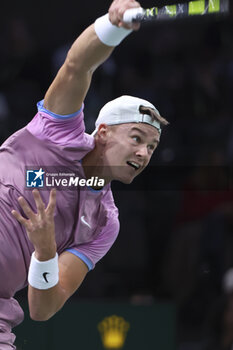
178,10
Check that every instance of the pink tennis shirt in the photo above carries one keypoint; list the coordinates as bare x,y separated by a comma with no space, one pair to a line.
86,220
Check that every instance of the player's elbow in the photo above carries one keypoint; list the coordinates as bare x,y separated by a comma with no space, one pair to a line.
76,67
40,316
37,317
43,312
70,64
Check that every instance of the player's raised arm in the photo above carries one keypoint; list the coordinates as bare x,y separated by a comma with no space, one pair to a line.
68,90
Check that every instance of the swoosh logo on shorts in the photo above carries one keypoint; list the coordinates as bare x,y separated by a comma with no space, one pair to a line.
84,221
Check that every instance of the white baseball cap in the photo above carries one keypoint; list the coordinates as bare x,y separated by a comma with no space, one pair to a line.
125,109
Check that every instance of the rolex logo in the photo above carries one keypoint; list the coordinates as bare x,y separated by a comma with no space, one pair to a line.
113,331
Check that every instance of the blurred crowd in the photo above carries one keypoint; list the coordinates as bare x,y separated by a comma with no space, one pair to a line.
176,238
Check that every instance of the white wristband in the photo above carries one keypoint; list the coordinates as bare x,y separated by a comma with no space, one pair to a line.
108,33
43,274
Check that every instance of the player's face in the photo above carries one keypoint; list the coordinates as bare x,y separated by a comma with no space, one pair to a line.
129,149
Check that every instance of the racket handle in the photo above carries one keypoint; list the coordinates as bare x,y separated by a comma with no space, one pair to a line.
134,14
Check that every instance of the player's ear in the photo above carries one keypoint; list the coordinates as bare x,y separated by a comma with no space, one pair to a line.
103,133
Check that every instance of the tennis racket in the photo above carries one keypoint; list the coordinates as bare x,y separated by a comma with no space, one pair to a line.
198,7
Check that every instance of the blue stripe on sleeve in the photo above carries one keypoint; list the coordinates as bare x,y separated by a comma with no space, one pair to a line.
41,108
82,257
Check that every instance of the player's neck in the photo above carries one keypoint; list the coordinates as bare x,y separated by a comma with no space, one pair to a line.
93,165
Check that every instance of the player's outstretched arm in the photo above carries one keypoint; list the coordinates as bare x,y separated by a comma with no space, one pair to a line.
69,88
52,280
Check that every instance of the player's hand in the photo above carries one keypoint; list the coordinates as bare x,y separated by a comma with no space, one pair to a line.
40,226
117,10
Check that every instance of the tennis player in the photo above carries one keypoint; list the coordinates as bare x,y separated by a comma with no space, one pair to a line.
50,239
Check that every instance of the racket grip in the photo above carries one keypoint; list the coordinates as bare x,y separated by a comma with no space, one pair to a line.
135,14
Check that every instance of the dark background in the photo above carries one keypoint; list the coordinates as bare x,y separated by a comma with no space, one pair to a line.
176,241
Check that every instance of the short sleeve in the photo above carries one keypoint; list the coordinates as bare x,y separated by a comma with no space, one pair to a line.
90,253
60,129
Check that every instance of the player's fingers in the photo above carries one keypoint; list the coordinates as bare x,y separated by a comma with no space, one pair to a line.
27,210
19,218
131,24
52,202
117,10
132,5
135,26
39,203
